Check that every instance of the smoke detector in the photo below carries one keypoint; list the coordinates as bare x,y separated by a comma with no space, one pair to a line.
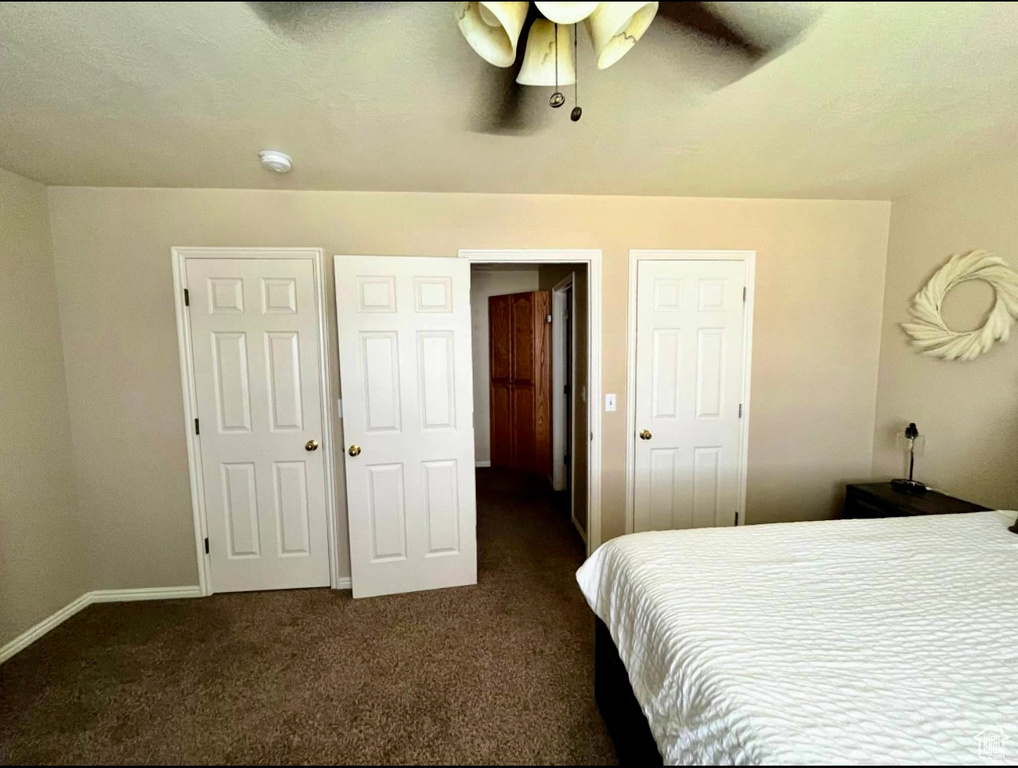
275,161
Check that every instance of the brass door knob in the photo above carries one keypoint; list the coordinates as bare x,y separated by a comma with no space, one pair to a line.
355,450
311,445
646,435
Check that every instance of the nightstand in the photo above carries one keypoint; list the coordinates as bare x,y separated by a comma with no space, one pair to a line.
870,500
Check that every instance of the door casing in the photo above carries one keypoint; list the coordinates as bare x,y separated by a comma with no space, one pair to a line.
179,255
563,406
635,257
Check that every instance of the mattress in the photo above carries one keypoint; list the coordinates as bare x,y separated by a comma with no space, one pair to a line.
848,641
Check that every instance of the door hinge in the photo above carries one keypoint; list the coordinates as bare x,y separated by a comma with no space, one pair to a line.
740,410
206,545
565,389
196,430
565,459
736,522
548,318
743,294
187,298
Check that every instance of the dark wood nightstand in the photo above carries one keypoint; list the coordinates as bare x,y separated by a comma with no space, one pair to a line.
869,500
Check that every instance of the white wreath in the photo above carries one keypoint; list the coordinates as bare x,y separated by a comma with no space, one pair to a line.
928,330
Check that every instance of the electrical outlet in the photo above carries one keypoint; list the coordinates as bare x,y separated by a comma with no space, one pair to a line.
609,402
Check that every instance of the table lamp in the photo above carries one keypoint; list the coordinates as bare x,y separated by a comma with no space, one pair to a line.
911,440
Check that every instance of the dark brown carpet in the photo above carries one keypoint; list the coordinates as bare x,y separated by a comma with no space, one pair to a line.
497,673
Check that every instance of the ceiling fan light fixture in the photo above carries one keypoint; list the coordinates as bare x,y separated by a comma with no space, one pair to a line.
614,28
539,56
566,13
492,29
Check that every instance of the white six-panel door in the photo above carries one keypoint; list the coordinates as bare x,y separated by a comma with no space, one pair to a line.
689,383
255,345
405,372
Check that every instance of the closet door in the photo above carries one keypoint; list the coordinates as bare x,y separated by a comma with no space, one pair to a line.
524,346
542,384
690,369
500,346
521,382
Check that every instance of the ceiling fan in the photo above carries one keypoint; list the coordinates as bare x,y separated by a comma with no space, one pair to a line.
534,44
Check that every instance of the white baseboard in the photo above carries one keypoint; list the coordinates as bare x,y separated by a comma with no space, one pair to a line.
153,593
482,463
583,533
29,636
344,582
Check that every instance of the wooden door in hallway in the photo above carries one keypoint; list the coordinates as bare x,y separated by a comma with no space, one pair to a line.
520,349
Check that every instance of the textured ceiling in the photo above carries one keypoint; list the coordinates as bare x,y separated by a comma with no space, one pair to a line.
873,99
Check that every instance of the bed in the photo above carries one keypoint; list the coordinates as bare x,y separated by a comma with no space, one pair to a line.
849,641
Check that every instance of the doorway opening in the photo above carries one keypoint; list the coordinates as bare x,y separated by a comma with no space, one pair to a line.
407,359
566,394
530,397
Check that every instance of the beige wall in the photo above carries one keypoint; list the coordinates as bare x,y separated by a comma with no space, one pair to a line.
43,565
967,410
485,283
820,272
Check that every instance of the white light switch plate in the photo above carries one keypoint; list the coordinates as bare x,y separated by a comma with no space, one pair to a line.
609,402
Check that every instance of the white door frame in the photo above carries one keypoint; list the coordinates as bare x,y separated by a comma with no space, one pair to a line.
592,258
558,374
194,458
635,257
563,476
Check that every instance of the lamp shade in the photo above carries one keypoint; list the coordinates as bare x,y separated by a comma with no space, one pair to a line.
492,29
566,13
539,56
614,28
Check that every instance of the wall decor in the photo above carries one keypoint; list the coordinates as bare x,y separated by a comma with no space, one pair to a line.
928,330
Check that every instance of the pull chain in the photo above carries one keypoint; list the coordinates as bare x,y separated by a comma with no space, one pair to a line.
575,114
557,99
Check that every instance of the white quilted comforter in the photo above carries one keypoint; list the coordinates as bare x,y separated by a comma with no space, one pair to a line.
850,641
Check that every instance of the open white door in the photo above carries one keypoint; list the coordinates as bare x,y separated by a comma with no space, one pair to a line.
405,372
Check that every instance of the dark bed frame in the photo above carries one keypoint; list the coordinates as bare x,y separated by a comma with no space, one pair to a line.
627,726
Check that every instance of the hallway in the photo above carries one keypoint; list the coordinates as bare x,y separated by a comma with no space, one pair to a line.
519,517
497,673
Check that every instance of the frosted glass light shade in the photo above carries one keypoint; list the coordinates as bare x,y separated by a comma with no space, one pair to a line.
614,28
492,29
539,56
566,13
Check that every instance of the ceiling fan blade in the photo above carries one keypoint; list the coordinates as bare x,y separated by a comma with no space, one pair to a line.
306,20
696,17
502,100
